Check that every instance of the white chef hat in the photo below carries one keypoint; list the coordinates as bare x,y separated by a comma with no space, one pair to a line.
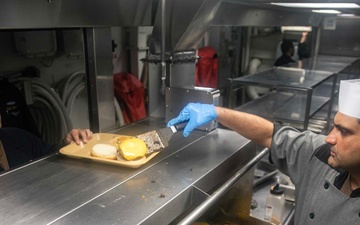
349,97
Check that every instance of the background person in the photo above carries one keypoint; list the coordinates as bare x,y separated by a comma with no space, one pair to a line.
14,110
324,169
287,49
18,146
303,49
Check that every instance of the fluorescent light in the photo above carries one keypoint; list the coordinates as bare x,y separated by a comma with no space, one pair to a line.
329,11
346,15
296,28
317,5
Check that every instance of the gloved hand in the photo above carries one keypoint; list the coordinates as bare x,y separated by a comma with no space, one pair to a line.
197,114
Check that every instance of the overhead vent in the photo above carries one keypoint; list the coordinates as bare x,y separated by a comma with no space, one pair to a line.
186,21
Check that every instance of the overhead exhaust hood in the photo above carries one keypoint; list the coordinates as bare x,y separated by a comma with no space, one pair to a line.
186,21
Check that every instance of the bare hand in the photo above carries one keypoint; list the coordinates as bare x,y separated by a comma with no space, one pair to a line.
78,135
303,37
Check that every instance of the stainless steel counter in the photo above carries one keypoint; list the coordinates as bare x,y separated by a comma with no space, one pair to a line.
62,190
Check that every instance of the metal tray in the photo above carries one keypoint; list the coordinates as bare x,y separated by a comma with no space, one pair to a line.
83,151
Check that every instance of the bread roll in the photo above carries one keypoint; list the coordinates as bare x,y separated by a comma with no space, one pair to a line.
104,151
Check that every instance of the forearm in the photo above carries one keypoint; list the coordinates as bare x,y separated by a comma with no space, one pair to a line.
250,126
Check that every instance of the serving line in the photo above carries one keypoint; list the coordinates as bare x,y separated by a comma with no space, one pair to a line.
62,190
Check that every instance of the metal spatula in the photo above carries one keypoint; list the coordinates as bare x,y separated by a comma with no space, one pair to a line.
157,140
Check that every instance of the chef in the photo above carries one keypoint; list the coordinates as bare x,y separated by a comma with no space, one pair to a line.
324,169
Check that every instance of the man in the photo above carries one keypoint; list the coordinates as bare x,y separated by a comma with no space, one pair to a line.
18,146
14,110
287,49
324,169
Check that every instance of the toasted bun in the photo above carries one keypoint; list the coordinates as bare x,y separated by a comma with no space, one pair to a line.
104,151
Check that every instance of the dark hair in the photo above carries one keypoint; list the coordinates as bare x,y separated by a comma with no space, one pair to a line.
286,45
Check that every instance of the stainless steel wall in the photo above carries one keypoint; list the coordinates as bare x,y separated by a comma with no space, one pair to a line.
17,14
243,15
343,40
99,80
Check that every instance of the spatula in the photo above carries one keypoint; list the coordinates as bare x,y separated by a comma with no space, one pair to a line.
157,140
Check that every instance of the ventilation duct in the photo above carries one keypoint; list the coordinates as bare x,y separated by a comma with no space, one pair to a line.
186,21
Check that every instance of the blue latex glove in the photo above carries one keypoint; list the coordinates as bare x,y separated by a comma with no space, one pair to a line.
197,114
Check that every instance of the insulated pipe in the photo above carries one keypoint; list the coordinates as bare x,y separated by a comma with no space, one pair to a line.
48,120
202,208
254,91
68,81
60,105
56,108
52,102
77,90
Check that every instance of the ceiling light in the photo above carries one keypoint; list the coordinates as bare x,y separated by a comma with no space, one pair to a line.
296,28
346,15
329,11
318,5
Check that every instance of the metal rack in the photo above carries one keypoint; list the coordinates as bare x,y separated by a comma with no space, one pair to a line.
296,96
299,96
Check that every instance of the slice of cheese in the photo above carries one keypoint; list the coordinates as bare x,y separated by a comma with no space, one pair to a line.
132,148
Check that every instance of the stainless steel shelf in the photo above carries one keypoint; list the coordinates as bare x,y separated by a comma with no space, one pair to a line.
294,110
283,77
266,104
283,106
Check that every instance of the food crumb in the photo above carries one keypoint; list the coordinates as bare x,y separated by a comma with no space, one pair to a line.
162,195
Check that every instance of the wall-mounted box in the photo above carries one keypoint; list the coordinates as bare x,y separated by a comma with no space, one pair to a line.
36,43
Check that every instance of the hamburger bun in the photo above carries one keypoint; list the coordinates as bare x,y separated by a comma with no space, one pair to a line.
104,151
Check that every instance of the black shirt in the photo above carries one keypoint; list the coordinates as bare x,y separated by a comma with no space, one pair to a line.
283,60
13,109
21,146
